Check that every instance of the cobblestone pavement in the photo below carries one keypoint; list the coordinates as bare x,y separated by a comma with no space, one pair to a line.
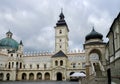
38,82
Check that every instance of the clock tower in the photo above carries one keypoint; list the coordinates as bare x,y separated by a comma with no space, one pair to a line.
61,34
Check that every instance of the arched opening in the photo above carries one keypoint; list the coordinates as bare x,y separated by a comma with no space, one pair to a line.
17,65
71,73
24,76
56,63
1,76
59,76
20,65
31,76
82,72
39,76
95,55
60,32
47,76
95,59
61,63
9,65
8,76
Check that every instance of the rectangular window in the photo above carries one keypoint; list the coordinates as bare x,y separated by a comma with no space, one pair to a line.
12,64
11,55
5,65
83,65
24,66
60,40
37,66
44,66
60,32
30,66
60,46
74,65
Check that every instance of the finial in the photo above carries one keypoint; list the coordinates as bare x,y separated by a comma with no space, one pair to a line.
61,15
61,10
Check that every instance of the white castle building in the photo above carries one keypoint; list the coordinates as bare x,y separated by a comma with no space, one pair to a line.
17,65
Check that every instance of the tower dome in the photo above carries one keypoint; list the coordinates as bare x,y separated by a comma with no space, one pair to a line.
93,35
8,42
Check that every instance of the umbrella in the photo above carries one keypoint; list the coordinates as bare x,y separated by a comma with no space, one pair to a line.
77,74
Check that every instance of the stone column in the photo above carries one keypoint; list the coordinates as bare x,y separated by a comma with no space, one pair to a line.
87,64
4,77
27,76
35,76
43,77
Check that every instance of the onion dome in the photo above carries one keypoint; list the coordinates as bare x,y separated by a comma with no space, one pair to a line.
94,35
8,42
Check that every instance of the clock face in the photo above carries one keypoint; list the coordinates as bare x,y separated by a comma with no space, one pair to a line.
94,57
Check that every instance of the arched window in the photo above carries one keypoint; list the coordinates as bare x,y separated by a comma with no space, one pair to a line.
17,65
9,66
56,63
60,32
30,66
20,65
61,63
12,64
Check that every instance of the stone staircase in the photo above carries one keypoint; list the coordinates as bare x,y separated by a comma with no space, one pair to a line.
97,70
98,78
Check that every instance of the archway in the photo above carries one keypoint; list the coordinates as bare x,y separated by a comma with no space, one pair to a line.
59,76
1,76
82,72
39,76
71,73
8,76
24,76
31,76
95,55
47,76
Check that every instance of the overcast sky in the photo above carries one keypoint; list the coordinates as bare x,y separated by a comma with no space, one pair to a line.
33,21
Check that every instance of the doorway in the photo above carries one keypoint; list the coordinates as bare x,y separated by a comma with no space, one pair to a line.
59,76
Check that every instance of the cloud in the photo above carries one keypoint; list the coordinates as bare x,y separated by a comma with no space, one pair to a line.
33,21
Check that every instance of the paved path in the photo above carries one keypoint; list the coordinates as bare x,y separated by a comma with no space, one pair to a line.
38,82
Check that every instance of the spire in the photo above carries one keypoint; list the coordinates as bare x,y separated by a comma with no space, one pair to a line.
21,42
61,15
93,29
61,21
